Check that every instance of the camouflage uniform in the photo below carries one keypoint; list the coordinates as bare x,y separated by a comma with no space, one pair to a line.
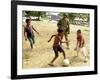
64,25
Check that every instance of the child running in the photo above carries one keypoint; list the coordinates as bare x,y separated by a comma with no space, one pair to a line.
57,45
80,46
28,32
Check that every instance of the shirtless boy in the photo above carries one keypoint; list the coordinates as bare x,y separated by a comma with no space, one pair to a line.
57,45
80,46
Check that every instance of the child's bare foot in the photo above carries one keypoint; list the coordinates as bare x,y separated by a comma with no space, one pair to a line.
51,64
85,60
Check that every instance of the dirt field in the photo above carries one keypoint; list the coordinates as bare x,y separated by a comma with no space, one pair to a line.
42,52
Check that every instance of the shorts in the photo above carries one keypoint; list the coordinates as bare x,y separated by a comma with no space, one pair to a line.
57,49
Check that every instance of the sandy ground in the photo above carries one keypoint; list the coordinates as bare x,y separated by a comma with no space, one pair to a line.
43,53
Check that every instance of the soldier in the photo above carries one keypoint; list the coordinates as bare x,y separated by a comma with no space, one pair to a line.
64,25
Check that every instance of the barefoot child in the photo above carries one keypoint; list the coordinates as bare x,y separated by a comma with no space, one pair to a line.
28,32
57,45
80,46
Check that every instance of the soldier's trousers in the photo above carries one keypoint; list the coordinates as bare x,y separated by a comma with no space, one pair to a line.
66,38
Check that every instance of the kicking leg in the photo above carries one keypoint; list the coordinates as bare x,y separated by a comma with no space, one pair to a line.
54,59
56,56
64,55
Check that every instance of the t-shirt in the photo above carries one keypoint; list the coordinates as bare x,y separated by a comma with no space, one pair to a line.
29,30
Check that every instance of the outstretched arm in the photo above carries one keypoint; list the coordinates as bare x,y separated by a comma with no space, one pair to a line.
25,34
35,30
51,38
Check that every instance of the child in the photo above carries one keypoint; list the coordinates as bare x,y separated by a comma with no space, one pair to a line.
57,45
80,44
28,32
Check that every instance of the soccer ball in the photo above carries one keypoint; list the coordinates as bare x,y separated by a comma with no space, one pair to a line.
66,62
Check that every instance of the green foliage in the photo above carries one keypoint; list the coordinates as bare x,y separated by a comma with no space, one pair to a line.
85,16
72,16
35,14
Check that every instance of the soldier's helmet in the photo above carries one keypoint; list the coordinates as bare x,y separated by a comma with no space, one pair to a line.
64,15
